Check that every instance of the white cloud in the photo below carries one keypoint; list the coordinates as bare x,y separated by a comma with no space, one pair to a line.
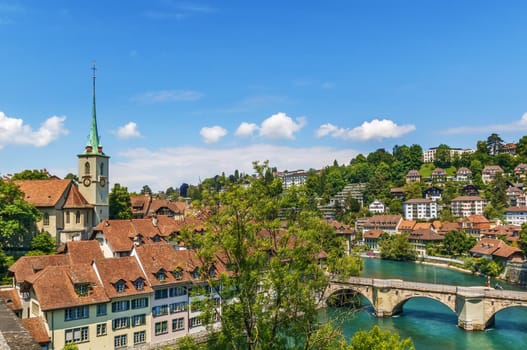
133,168
374,130
246,129
128,131
281,126
212,134
13,131
169,96
520,125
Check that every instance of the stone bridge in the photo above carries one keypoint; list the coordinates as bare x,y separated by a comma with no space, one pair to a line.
475,307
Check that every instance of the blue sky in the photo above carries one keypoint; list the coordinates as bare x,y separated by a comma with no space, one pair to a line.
187,89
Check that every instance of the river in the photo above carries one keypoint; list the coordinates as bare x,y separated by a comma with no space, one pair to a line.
430,324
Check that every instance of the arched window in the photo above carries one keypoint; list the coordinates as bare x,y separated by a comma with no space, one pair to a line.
78,217
46,219
87,168
102,169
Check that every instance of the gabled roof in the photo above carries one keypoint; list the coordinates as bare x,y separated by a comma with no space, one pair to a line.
422,226
425,235
55,287
407,225
120,234
340,228
439,172
11,298
75,199
413,173
37,328
463,171
126,269
373,234
383,220
43,193
175,207
491,169
75,252
520,168
449,226
495,247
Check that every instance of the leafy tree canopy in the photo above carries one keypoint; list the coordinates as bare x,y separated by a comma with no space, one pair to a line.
120,205
31,175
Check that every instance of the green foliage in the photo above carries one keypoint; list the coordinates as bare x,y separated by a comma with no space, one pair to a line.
70,346
263,256
522,243
377,339
31,175
17,217
120,205
442,157
396,247
490,267
457,243
43,242
72,176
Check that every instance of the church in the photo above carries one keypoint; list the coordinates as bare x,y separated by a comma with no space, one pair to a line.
71,209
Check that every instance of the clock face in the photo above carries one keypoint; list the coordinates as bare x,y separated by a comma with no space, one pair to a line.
86,182
102,182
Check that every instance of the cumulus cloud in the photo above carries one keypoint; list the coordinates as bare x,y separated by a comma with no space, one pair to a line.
169,96
128,131
190,164
13,131
281,126
246,129
212,134
373,130
519,125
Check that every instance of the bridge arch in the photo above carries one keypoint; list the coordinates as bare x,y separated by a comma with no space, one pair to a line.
398,307
364,291
491,317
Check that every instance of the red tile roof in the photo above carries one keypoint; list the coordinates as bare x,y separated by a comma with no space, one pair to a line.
11,298
373,234
55,287
425,235
37,328
75,199
43,193
126,269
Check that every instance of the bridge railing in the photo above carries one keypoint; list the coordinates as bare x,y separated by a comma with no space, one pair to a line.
431,287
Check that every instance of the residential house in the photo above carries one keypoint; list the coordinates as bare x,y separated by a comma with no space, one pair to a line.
430,154
508,148
420,238
474,225
433,193
516,215
376,207
489,172
140,205
511,233
406,226
292,178
463,174
496,248
346,232
397,193
438,175
385,223
371,239
514,195
420,209
464,206
469,190
520,171
413,176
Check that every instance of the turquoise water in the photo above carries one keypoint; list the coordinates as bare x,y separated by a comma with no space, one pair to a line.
430,324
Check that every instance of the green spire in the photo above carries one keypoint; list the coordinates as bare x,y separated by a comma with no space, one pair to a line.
93,146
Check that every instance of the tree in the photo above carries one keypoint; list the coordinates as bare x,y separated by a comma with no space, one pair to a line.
72,176
457,243
494,144
522,243
274,272
43,244
120,204
377,339
396,247
31,175
18,218
442,157
183,190
146,190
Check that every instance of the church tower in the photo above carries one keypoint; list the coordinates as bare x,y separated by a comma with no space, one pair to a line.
94,171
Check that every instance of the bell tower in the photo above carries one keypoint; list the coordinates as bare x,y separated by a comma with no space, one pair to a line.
93,170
